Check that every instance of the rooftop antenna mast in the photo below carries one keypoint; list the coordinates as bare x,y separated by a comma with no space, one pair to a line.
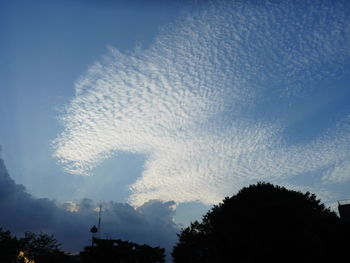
99,222
96,231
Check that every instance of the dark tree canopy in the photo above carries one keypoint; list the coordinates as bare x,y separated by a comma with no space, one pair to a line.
38,248
264,222
42,248
9,247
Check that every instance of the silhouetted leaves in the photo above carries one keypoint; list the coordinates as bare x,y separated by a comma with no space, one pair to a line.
42,248
39,248
264,222
9,247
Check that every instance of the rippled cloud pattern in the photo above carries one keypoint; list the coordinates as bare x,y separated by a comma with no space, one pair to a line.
192,101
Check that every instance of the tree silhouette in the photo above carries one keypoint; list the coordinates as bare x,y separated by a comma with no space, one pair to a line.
264,222
9,247
42,248
38,248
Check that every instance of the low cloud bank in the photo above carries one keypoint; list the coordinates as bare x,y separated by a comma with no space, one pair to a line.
152,223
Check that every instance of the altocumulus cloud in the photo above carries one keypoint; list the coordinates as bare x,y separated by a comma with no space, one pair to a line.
192,101
151,223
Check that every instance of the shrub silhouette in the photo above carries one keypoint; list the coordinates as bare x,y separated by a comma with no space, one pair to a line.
264,222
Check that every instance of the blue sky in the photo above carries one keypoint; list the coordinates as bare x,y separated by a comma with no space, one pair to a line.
46,46
175,101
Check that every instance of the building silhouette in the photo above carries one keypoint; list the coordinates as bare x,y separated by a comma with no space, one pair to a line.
344,209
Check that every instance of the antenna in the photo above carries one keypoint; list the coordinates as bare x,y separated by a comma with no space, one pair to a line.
99,222
96,231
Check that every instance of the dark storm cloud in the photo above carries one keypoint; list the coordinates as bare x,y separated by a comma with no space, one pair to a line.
150,223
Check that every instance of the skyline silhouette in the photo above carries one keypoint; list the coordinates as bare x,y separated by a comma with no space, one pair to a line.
158,110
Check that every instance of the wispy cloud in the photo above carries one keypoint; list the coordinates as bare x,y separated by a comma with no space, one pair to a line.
192,101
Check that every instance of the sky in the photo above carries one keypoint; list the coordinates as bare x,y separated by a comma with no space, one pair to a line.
160,110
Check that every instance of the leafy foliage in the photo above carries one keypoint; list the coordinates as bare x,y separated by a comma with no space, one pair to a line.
42,248
9,247
38,248
264,222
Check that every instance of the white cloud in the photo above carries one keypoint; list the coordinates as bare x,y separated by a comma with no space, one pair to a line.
339,172
188,101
